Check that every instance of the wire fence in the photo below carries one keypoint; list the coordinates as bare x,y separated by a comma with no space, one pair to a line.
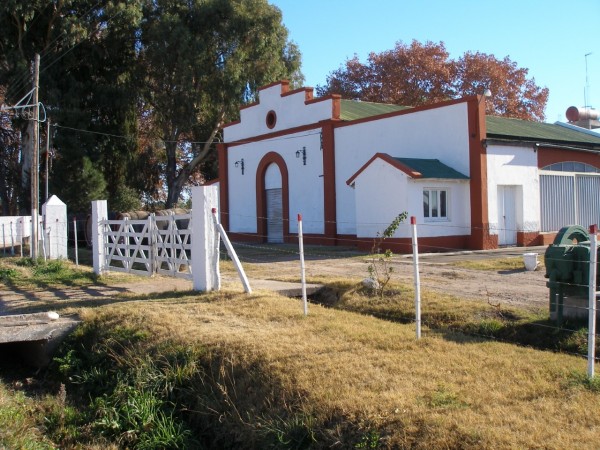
346,261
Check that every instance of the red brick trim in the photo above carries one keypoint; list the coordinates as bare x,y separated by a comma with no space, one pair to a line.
547,156
527,238
329,189
388,159
308,93
480,236
285,86
407,111
275,134
261,196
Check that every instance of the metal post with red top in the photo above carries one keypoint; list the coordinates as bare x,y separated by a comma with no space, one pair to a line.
592,300
415,246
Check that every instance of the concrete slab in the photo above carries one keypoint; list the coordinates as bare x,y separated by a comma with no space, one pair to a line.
33,338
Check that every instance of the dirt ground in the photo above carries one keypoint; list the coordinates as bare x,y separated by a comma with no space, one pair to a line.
516,287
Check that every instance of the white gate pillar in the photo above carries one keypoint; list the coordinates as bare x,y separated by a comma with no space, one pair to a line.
99,213
55,224
205,239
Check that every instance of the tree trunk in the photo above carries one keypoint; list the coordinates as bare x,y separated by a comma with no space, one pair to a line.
26,153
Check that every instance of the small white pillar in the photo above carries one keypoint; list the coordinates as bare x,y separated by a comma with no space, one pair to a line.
99,214
55,227
205,239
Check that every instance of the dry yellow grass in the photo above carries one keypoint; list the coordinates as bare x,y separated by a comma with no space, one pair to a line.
443,391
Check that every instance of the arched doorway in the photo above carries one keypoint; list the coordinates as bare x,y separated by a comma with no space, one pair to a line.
272,198
274,204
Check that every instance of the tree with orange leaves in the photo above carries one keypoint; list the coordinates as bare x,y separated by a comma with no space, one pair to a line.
420,74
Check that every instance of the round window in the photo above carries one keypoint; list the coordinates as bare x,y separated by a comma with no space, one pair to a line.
271,119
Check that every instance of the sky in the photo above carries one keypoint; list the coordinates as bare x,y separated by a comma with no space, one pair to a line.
550,38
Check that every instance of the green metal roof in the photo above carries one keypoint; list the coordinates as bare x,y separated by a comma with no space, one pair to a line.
432,168
355,109
516,129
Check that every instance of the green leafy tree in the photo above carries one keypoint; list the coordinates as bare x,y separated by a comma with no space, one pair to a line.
82,186
202,59
88,52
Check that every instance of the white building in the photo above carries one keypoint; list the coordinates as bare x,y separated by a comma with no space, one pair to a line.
350,167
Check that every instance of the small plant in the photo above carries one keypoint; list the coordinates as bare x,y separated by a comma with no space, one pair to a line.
379,268
8,275
369,440
582,380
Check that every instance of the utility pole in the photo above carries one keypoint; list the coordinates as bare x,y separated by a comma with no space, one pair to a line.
35,160
47,156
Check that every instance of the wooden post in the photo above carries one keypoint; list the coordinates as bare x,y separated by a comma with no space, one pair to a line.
34,161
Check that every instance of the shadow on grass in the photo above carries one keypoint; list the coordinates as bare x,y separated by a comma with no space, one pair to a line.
463,325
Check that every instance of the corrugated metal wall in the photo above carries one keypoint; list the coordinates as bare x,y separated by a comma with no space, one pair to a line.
588,199
568,199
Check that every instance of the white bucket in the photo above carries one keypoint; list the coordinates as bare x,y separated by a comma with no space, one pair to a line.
530,260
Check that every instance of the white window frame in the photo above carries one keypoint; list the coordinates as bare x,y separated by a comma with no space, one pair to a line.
437,190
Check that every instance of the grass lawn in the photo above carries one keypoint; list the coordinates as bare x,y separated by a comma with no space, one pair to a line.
232,370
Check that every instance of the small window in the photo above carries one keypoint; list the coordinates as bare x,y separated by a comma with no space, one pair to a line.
435,204
271,119
572,166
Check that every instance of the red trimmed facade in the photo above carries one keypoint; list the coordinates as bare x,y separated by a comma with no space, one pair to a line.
273,144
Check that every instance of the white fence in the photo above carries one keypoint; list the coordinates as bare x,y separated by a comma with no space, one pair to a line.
13,230
157,245
162,244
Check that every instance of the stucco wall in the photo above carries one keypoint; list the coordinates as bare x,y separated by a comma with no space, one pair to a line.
305,181
514,166
382,192
440,133
291,111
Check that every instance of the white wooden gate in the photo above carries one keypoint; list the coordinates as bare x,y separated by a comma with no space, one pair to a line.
159,244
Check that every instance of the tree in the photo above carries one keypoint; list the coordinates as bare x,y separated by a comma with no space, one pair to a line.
513,94
86,83
9,164
419,74
202,59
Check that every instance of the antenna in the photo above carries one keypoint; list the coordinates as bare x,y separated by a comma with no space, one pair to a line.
586,90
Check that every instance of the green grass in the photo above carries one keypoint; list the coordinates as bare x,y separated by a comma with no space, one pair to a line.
233,370
444,313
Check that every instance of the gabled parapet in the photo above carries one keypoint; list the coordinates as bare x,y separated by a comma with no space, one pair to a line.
279,108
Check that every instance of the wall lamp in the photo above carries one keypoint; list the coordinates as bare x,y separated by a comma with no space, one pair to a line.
487,93
240,164
303,153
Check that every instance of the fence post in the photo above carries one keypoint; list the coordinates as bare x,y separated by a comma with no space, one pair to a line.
152,254
54,212
302,266
21,235
42,236
12,240
205,258
415,245
99,215
592,300
3,240
75,241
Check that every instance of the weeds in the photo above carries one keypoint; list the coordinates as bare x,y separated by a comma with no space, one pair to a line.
379,268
